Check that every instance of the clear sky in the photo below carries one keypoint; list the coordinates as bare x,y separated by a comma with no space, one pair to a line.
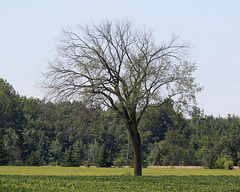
29,32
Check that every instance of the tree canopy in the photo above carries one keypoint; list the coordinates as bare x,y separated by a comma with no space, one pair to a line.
118,65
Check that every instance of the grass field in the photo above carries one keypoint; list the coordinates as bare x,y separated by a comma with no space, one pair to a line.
116,179
97,171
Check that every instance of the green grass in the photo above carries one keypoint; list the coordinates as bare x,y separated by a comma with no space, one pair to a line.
63,171
116,179
96,171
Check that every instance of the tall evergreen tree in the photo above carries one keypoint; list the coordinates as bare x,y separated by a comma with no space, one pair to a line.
69,159
3,151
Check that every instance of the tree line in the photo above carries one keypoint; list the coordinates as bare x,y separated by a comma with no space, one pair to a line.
70,133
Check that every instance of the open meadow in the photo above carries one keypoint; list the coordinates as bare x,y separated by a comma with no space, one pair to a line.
116,179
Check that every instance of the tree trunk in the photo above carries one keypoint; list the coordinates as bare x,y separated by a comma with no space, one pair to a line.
137,153
132,126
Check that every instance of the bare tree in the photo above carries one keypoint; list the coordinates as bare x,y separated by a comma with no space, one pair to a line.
122,67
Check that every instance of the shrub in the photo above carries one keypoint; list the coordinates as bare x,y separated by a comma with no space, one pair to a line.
120,162
224,163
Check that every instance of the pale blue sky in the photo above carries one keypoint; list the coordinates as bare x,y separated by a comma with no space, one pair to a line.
29,30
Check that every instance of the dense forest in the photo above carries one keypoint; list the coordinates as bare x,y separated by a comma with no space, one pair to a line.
39,132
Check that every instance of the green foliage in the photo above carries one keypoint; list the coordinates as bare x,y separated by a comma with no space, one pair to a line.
34,159
69,159
11,122
174,150
104,159
73,156
119,162
55,153
11,114
156,154
156,122
93,153
79,153
224,163
3,153
207,157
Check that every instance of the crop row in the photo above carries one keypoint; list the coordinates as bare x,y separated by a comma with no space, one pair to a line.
119,183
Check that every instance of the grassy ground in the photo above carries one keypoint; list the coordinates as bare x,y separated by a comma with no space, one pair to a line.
96,171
